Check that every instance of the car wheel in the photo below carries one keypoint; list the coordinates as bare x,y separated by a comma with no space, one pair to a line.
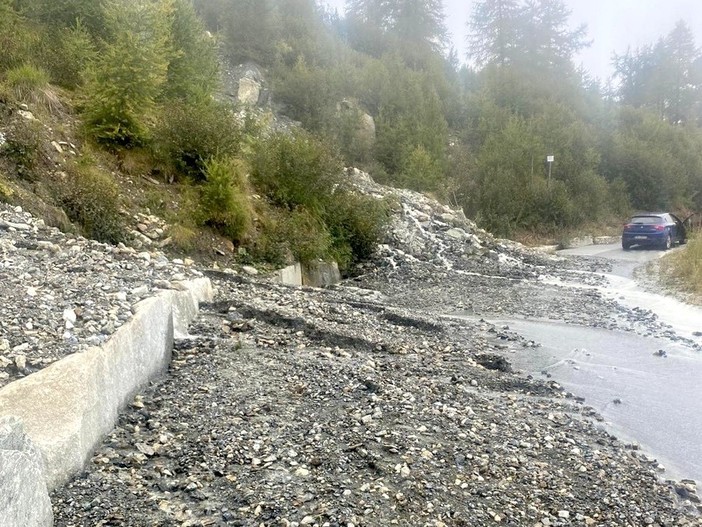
626,246
668,243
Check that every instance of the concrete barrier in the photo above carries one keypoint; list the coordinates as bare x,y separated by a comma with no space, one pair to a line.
67,408
313,274
320,274
291,275
24,498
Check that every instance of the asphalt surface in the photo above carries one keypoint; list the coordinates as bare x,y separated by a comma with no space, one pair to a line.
647,388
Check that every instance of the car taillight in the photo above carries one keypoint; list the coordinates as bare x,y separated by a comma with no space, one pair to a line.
627,225
660,227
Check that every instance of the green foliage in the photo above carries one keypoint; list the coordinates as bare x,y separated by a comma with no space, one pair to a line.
193,71
70,53
17,38
357,225
23,148
25,80
421,171
295,170
225,198
288,236
189,134
6,191
91,199
56,15
660,164
130,72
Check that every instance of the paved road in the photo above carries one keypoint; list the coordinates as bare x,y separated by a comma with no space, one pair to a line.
645,398
625,262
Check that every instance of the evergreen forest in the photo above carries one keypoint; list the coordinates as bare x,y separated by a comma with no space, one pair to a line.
143,75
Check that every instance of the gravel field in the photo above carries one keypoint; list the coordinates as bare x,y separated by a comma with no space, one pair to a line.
363,404
62,294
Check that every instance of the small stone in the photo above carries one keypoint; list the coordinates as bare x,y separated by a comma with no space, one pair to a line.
20,362
250,270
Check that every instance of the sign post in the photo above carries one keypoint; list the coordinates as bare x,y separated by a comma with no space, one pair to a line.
549,160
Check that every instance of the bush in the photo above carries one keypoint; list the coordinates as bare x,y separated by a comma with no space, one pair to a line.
288,236
129,74
225,203
91,199
71,53
357,225
296,171
24,148
187,135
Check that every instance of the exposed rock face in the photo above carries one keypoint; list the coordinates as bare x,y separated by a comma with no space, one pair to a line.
365,130
249,91
244,84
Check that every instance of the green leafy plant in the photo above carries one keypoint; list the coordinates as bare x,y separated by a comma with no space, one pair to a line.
91,199
225,198
130,72
188,135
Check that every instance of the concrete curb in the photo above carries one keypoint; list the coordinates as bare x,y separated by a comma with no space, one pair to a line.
67,408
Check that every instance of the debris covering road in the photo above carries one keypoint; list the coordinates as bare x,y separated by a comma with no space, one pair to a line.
366,404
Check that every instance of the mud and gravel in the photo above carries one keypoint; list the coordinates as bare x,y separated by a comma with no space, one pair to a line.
365,404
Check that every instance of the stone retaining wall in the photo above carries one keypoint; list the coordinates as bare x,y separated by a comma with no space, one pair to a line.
52,420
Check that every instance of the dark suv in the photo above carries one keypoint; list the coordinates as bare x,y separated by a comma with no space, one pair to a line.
659,229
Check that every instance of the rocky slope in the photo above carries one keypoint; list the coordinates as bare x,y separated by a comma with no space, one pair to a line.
384,400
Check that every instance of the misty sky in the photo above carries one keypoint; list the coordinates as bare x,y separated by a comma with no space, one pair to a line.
613,25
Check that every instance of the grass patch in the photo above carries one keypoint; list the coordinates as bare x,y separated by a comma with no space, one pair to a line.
682,270
30,85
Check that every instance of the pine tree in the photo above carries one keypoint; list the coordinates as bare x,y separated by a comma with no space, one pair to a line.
493,32
131,71
193,71
419,23
544,35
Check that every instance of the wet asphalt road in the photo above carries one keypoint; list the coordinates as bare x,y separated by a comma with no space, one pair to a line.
649,390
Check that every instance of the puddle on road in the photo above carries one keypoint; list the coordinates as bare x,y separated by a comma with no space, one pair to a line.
657,397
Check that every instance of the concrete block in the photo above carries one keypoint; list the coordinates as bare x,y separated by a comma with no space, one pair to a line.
291,275
68,407
320,274
24,499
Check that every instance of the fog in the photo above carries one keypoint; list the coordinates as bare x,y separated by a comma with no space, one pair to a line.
613,25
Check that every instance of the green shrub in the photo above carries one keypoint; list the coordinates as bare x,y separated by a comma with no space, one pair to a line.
357,225
24,148
225,202
6,192
91,199
684,268
16,37
71,52
129,74
26,79
30,84
295,170
187,135
288,236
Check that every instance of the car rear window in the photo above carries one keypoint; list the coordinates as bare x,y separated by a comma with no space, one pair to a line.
646,220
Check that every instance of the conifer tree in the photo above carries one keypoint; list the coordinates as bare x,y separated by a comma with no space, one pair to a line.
130,72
